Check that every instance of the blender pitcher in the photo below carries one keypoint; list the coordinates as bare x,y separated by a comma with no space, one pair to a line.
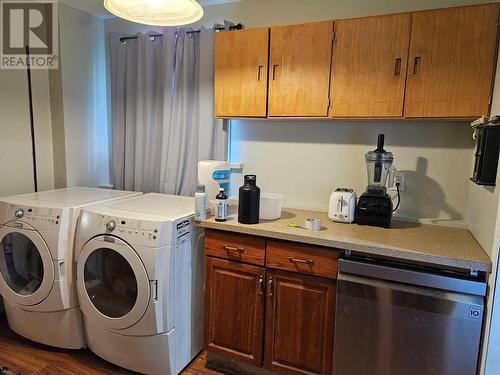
380,171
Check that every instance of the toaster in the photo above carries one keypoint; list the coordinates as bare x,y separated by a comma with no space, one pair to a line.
342,207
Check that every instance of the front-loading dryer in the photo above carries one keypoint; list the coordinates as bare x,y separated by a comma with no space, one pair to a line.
38,281
140,282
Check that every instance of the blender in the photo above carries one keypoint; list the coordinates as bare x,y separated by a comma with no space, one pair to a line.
375,205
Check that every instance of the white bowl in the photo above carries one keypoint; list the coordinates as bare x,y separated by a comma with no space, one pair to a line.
270,206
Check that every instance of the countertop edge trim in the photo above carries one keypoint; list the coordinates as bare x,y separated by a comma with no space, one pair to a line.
366,249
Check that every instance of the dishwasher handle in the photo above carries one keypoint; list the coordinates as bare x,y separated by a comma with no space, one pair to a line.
412,277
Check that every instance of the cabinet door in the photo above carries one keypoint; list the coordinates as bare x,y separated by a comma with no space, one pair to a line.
299,70
240,73
369,59
451,62
234,309
299,323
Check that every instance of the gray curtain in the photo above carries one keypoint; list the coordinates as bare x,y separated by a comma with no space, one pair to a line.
162,111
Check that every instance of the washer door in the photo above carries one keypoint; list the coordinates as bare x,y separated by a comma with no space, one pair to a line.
113,284
26,265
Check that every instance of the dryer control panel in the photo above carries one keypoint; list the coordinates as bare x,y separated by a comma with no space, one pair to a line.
133,231
146,233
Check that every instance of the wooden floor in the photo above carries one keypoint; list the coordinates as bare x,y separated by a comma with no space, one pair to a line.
24,357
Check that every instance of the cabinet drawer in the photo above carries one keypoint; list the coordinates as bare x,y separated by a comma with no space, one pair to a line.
233,246
302,258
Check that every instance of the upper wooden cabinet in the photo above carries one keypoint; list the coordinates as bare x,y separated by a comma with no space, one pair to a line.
240,69
428,64
451,62
369,59
299,70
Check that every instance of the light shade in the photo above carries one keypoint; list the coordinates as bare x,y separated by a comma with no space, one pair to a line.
156,12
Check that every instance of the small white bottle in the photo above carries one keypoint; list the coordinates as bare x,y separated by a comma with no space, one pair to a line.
200,203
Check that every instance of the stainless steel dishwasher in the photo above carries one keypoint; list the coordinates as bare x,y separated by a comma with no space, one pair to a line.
397,320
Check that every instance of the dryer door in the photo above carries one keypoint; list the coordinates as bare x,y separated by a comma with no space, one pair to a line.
26,265
113,284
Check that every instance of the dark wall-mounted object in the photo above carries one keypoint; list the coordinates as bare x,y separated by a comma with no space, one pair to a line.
487,151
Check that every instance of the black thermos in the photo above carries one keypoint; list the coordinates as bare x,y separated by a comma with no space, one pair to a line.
249,201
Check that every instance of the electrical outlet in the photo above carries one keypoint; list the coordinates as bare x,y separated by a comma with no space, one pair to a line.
399,176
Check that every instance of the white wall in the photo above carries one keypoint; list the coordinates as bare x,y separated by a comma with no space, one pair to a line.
484,200
16,166
484,218
491,361
84,96
306,160
43,129
15,144
254,13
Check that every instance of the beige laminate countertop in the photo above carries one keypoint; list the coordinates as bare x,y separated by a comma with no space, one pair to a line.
430,244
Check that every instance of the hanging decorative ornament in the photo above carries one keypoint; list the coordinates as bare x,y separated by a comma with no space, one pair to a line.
156,12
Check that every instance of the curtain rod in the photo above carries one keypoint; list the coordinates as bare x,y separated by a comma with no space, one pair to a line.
239,26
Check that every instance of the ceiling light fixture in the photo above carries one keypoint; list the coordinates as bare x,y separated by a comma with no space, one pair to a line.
156,12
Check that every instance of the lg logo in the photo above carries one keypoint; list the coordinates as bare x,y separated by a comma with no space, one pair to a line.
475,312
29,24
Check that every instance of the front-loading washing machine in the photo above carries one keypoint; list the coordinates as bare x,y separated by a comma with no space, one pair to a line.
37,267
140,282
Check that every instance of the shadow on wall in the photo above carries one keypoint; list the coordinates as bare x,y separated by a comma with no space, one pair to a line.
430,200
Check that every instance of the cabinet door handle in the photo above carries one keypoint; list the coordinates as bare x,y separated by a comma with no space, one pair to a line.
416,62
261,286
270,285
231,248
259,72
397,66
305,261
275,68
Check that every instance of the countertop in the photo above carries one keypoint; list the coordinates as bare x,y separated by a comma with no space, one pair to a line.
431,244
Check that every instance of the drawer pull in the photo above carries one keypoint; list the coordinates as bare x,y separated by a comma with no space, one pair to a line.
231,248
305,261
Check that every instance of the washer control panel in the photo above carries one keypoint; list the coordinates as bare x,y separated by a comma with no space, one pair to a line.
35,215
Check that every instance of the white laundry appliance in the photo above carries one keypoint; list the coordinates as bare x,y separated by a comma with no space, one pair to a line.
38,281
140,282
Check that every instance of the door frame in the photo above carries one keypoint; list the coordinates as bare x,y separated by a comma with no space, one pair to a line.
48,266
140,273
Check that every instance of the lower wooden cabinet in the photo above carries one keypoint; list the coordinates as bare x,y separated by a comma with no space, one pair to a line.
300,322
280,319
234,309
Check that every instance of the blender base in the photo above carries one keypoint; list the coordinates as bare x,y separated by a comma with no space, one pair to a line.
374,210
